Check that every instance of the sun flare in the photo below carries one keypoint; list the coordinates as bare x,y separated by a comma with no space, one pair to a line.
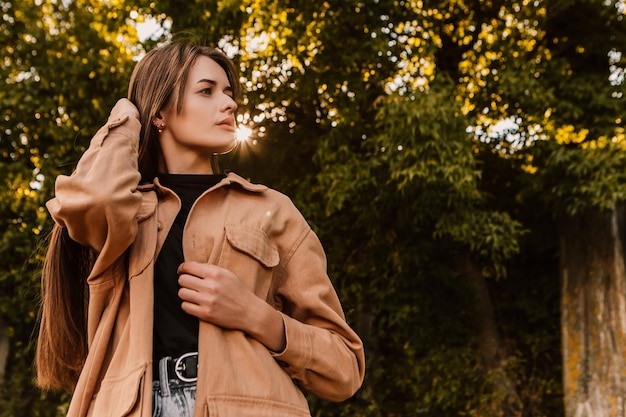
243,133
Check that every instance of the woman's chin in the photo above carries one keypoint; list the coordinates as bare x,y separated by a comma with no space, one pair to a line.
226,148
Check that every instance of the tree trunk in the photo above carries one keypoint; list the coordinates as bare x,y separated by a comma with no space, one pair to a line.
593,314
493,356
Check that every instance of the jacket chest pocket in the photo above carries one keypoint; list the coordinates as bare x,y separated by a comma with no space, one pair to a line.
251,255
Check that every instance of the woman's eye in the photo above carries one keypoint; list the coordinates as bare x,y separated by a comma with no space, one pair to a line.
206,91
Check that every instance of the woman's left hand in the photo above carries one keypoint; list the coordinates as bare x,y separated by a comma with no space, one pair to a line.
218,296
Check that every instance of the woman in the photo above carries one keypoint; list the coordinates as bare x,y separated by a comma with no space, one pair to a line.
169,288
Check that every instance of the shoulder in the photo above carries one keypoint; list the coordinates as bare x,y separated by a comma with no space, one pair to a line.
261,190
264,200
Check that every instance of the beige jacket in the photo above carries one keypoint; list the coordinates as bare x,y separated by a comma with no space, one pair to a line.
249,229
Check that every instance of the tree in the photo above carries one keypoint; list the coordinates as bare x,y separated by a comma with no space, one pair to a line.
455,158
582,170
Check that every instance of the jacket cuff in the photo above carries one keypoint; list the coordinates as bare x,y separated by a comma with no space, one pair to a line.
297,352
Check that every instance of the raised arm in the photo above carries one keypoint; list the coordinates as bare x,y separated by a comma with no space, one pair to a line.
99,201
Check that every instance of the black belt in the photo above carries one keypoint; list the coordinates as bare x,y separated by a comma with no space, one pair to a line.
184,368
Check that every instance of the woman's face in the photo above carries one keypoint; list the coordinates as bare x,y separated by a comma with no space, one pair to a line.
206,123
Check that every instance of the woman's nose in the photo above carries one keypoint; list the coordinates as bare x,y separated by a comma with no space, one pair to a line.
229,105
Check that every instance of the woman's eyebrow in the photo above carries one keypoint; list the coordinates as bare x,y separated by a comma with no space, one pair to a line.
206,80
213,83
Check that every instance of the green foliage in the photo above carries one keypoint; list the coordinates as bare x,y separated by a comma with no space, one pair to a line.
578,177
382,120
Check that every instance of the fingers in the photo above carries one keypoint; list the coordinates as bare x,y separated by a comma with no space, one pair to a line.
190,295
201,277
200,290
199,297
198,269
194,282
195,310
211,293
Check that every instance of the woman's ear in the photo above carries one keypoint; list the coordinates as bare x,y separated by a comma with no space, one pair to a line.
157,118
159,122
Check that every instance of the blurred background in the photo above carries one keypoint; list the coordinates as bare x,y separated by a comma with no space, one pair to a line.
462,161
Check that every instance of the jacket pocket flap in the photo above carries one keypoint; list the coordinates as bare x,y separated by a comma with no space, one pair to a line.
253,242
235,406
118,396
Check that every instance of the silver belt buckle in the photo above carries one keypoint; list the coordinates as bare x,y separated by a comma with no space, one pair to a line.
180,367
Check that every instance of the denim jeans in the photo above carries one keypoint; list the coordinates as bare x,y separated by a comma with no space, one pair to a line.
172,397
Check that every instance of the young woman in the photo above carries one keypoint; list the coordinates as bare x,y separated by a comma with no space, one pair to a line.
172,290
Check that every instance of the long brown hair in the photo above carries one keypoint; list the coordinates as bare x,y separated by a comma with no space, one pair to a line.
62,342
158,78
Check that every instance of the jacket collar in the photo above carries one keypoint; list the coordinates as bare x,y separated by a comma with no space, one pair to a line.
233,178
230,179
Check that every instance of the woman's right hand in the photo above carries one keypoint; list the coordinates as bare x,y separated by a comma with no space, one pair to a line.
218,296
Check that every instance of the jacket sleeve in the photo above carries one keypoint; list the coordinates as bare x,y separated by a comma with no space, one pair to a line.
323,354
99,201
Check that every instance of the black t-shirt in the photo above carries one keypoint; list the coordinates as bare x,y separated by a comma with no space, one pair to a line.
175,332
